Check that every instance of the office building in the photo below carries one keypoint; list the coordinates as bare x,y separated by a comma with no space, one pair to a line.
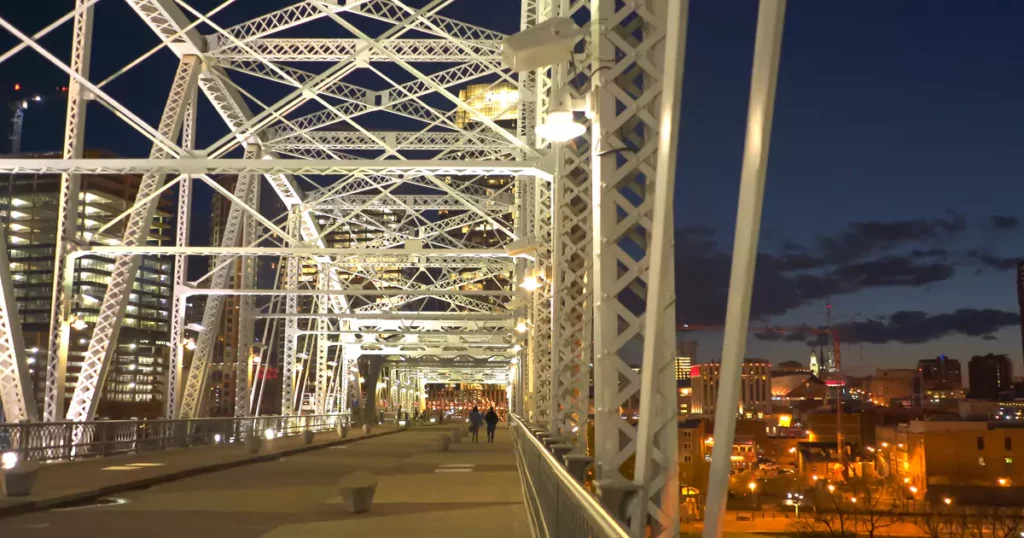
940,375
953,456
988,375
888,384
755,388
136,381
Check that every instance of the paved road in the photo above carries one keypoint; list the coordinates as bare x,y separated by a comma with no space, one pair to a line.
472,490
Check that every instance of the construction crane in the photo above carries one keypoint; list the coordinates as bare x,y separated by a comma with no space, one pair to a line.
17,104
832,378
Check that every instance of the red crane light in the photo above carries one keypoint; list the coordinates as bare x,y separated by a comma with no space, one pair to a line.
17,87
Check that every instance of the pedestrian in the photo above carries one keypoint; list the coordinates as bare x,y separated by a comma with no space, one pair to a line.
474,424
491,418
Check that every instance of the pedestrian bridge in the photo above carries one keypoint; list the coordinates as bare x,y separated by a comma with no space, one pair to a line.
510,488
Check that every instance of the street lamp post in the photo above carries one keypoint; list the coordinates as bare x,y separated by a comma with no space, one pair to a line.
753,490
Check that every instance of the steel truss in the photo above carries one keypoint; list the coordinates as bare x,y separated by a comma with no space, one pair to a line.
403,246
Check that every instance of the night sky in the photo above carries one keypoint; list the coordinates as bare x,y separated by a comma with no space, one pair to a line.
893,187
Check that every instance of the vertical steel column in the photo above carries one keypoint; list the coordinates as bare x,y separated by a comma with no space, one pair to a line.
657,464
291,324
192,400
16,391
763,78
176,358
247,303
323,374
525,206
572,258
540,370
104,337
630,74
67,220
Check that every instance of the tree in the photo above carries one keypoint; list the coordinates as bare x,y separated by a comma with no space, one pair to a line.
876,505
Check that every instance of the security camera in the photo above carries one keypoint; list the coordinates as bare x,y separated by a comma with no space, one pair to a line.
548,43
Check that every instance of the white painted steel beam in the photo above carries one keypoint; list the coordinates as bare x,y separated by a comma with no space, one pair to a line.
98,356
340,50
195,166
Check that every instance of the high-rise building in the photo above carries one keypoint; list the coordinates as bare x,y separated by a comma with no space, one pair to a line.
686,354
682,368
888,384
136,380
755,388
940,373
988,375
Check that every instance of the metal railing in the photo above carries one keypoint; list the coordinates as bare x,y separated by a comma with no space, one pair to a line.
51,441
558,505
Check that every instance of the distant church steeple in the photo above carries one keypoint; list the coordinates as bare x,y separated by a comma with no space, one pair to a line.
814,364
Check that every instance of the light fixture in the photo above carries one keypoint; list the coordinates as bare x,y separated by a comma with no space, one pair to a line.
216,438
530,283
948,501
78,323
514,360
195,327
8,461
190,344
269,434
560,126
521,327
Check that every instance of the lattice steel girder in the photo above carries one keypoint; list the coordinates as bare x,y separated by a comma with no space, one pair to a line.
167,20
393,255
354,292
460,376
404,140
115,301
450,29
401,202
629,76
426,320
572,260
425,351
340,50
161,166
198,374
67,218
17,393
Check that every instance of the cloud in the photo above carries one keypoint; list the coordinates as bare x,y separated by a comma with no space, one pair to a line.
989,337
863,239
797,275
1001,223
987,260
915,327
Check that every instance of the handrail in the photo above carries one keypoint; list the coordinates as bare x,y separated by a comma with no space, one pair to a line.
565,508
53,441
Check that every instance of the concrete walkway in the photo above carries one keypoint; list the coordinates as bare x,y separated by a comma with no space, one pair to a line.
471,490
60,483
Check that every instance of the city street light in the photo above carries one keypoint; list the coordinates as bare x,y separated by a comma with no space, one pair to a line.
948,501
831,488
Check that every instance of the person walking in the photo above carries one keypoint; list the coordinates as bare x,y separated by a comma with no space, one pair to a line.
491,418
474,424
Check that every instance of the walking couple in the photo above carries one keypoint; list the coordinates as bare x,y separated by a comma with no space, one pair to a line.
475,419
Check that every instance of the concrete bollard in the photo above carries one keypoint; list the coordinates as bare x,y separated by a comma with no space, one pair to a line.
18,481
357,490
253,443
343,431
443,441
307,437
456,435
367,428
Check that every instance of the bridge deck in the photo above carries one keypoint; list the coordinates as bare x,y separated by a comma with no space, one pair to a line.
471,490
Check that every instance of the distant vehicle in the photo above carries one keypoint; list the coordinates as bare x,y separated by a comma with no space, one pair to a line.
768,466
